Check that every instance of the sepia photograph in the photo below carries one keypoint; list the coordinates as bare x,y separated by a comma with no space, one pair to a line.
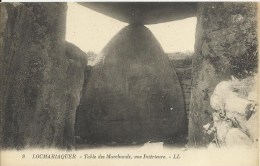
129,83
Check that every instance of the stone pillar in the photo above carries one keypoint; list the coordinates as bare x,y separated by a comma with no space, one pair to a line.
226,44
3,16
132,94
33,74
77,64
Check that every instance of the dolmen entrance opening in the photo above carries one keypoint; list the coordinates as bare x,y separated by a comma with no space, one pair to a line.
132,94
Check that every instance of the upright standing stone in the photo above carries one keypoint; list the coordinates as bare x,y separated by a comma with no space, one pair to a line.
132,93
77,63
33,74
226,44
3,16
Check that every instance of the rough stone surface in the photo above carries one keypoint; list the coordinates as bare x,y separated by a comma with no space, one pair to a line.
236,137
132,93
33,75
235,117
183,68
226,44
77,63
253,127
3,16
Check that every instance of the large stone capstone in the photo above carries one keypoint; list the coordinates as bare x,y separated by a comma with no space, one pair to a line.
145,13
132,94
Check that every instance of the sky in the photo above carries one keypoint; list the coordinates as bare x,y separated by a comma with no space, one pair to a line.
91,31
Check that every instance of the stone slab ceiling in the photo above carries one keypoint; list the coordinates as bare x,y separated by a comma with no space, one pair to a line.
144,13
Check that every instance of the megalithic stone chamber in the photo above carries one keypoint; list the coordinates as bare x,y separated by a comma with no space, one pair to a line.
132,93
